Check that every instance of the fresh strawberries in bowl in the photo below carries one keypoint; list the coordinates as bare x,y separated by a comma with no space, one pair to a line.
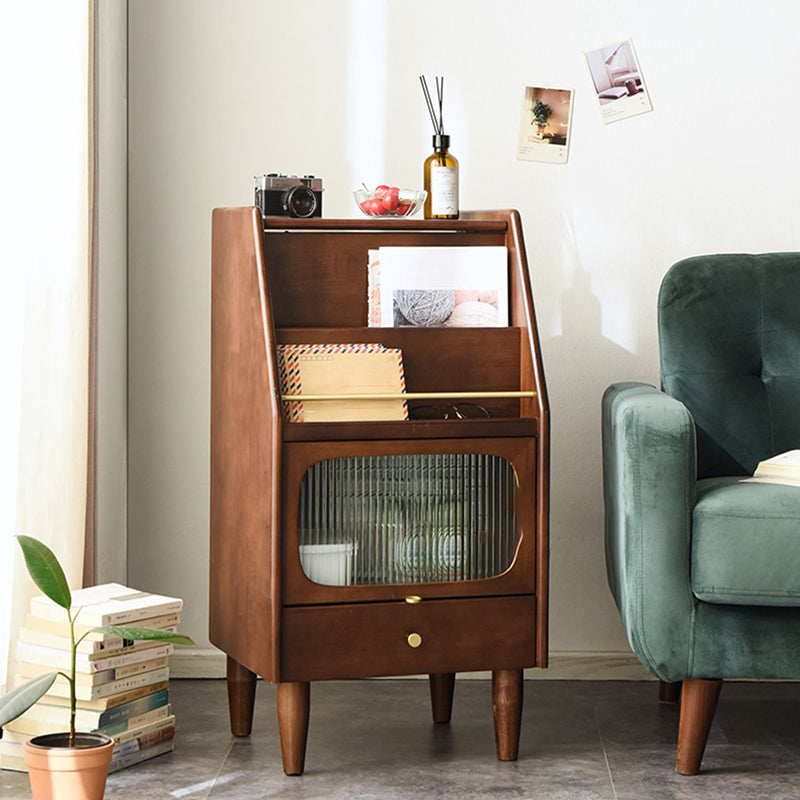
389,201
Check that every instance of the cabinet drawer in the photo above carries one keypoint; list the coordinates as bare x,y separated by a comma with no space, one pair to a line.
371,639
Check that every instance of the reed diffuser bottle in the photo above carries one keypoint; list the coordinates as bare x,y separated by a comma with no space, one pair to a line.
440,171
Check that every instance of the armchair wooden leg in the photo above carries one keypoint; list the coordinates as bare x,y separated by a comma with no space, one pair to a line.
241,697
669,692
442,685
698,704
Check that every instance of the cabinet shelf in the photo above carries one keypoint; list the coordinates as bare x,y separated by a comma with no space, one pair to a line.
444,359
409,430
468,224
287,497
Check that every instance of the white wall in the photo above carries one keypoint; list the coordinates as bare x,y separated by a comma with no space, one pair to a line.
222,91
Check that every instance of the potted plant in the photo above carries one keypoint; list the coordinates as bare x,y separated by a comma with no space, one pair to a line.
541,113
70,765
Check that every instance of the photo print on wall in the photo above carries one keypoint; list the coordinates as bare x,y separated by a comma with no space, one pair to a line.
544,122
618,81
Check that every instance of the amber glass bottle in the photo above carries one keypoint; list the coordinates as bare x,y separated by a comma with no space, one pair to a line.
441,181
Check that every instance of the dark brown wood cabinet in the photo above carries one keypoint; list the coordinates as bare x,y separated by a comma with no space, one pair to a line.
462,595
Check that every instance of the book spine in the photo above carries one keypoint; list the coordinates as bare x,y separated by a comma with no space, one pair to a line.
148,654
146,730
106,703
94,646
98,678
123,725
139,706
140,755
127,670
144,741
27,670
123,697
95,618
24,727
47,659
134,615
17,734
90,645
112,687
12,763
12,756
61,628
138,702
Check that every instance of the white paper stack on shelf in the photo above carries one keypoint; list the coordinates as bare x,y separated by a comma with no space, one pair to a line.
122,686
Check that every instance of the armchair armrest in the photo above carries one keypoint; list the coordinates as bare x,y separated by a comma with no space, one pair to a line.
649,479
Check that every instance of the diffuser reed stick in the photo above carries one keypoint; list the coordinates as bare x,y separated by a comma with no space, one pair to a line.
440,96
437,124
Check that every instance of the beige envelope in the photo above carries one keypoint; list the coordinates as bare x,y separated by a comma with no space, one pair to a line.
371,372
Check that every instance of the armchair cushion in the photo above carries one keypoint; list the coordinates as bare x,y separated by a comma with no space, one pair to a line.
746,543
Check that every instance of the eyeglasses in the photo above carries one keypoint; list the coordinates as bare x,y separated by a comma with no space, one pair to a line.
460,411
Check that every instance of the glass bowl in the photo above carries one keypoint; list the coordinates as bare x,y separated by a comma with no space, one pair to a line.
380,203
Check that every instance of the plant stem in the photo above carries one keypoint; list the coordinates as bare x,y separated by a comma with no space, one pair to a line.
72,699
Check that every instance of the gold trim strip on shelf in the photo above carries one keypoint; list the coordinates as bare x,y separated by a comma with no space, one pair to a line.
406,396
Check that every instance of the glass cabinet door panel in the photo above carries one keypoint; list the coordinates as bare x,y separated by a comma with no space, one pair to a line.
407,519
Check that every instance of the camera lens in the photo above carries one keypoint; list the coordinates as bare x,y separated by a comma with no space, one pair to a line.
299,201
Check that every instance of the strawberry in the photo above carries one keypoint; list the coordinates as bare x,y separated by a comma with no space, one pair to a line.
390,201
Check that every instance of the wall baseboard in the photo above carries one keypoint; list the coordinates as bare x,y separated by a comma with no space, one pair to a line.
574,666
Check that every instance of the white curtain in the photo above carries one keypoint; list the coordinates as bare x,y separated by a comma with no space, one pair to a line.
45,257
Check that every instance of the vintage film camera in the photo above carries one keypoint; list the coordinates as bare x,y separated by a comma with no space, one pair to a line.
288,195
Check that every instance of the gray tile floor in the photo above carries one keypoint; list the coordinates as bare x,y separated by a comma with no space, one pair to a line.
374,740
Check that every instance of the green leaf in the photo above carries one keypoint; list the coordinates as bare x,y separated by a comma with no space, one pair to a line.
19,700
45,570
132,632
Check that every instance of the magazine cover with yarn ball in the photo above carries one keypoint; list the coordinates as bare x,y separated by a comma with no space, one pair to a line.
459,287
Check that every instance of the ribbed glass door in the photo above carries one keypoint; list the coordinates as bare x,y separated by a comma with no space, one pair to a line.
407,519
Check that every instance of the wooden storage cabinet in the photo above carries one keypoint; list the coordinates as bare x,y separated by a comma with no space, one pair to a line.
463,589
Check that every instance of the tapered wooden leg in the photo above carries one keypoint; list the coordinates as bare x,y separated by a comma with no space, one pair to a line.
241,697
698,704
294,701
507,711
669,692
442,685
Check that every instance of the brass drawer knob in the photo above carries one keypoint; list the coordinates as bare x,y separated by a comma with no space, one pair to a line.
414,640
413,599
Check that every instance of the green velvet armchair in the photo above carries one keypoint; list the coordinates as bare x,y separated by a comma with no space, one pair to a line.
704,563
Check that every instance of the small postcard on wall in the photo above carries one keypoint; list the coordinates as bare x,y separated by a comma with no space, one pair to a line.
544,123
618,81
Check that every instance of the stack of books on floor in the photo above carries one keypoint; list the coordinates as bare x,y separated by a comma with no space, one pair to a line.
122,685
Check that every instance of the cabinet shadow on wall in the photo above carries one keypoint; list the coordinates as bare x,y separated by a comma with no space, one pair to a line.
580,363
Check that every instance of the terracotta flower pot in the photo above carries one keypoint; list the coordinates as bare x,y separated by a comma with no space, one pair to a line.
60,772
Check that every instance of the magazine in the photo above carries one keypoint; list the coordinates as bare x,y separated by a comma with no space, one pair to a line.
438,287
